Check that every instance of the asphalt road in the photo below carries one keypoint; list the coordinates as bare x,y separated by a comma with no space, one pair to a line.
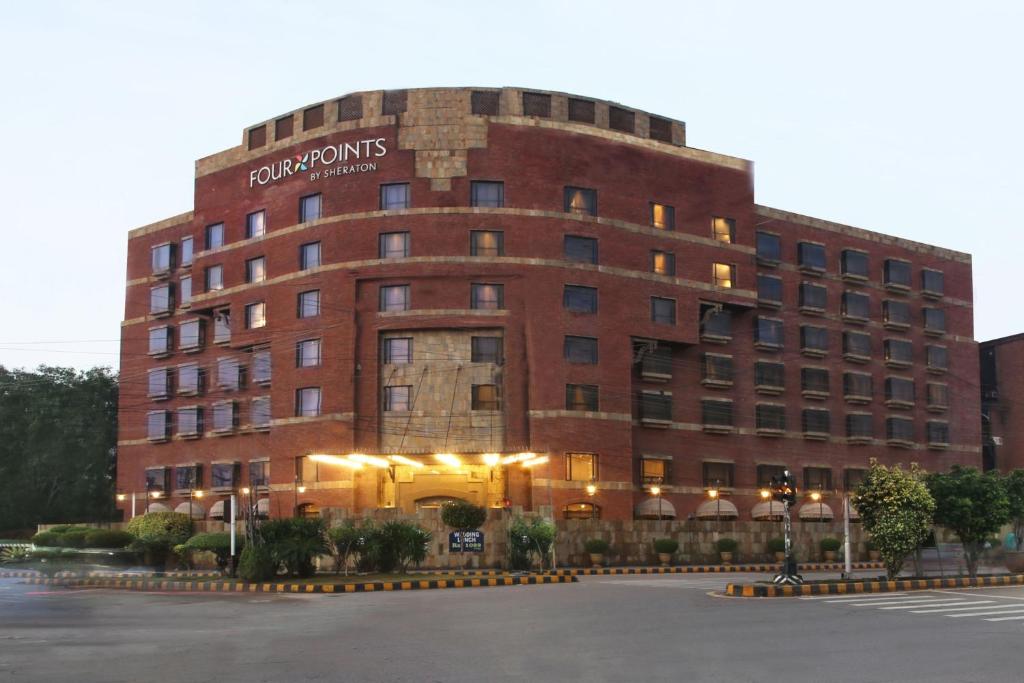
643,628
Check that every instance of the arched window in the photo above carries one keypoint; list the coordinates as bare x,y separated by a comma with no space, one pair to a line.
581,511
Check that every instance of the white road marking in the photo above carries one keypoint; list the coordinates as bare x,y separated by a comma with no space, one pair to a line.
940,603
1006,618
860,596
994,610
902,601
967,606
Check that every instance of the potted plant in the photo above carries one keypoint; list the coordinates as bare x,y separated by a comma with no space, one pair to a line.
726,547
596,548
665,547
873,554
829,546
777,547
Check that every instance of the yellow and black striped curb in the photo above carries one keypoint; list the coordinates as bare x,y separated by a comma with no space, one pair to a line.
243,587
18,575
760,590
714,569
114,575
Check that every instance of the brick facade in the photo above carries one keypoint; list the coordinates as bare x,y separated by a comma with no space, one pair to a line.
1002,403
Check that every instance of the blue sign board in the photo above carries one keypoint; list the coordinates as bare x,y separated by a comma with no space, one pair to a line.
466,542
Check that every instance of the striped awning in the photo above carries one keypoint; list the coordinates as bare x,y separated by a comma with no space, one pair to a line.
157,507
768,510
815,511
655,508
198,512
717,509
218,510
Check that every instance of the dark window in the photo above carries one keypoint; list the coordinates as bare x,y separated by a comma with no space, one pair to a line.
815,421
486,243
485,397
487,296
215,236
769,248
933,282
771,375
488,194
398,398
770,416
486,350
309,208
255,224
659,129
938,395
857,344
938,357
309,255
814,379
580,349
394,196
896,313
581,249
854,264
937,432
655,405
313,117
536,104
259,473
718,475
283,127
859,426
657,362
934,320
811,256
257,137
256,269
663,310
813,339
398,350
188,477
715,322
852,477
158,479
394,245
817,479
394,102
485,102
394,298
856,305
580,299
857,385
769,289
899,429
621,119
307,353
223,475
899,389
309,304
581,110
350,108
580,467
897,273
765,474
663,216
581,397
723,229
716,368
813,296
663,262
716,413
581,201
768,332
899,351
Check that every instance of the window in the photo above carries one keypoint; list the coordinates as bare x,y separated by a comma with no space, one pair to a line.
163,258
214,236
715,323
770,417
859,426
309,304
394,245
307,402
158,425
897,274
934,321
307,469
313,117
856,345
161,299
767,332
214,278
769,289
811,257
723,229
896,314
818,478
854,264
190,379
580,467
486,243
621,119
190,421
580,349
187,248
309,208
394,196
937,433
185,290
394,298
229,373
899,392
654,470
488,194
191,334
899,429
307,353
815,421
857,387
159,383
656,363
159,340
158,479
814,381
256,269
813,297
769,248
659,129
261,368
283,127
255,224
581,201
938,396
581,397
716,369
536,104
937,358
486,350
655,406
663,310
188,477
398,398
718,475
259,473
223,475
663,263
394,102
723,274
579,299
813,340
663,216
856,306
933,282
225,416
485,397
765,474
581,511
485,103
350,108
309,255
485,296
769,376
581,110
257,137
221,327
898,352
398,350
716,413
580,249
255,315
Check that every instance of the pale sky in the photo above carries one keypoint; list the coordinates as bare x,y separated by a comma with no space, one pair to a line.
901,117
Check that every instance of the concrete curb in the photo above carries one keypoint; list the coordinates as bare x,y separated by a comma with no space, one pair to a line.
714,569
759,590
290,587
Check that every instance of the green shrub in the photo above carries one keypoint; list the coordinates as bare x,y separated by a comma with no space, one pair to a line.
776,545
108,538
463,516
46,538
596,546
256,564
65,528
530,539
295,543
347,541
726,545
217,543
829,545
394,545
665,546
73,538
157,533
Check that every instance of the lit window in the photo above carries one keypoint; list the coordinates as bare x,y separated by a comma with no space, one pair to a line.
579,299
653,470
185,288
394,298
214,278
580,350
663,217
398,399
487,194
309,304
394,245
485,397
186,251
163,258
581,201
255,224
214,236
309,255
394,196
581,397
580,467
307,402
307,353
256,269
309,208
486,243
255,315
663,310
486,350
398,350
723,274
663,263
723,229
580,249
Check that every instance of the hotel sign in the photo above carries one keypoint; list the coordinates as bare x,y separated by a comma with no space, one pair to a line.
323,162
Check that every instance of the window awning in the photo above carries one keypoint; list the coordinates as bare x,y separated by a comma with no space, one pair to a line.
198,512
158,507
655,508
717,509
815,511
218,510
768,510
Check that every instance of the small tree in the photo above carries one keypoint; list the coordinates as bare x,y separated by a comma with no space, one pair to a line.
462,516
972,505
896,509
157,533
346,542
1013,484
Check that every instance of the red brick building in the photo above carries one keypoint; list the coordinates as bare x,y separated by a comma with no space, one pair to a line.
1002,403
523,298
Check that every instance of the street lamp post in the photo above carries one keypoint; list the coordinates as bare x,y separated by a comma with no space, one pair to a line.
716,495
592,491
656,492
